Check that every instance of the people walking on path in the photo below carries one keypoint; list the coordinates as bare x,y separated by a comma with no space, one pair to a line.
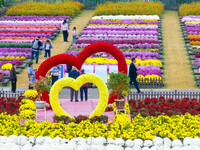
13,78
65,30
84,88
31,75
36,44
133,75
47,49
74,74
74,34
54,74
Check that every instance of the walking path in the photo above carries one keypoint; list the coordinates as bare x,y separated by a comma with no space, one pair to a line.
178,72
59,46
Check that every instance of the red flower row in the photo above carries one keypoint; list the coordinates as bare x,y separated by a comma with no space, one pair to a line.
195,39
154,106
10,105
41,32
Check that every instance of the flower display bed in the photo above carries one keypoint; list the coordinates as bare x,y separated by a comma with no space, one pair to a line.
136,36
155,107
10,105
98,143
17,34
191,31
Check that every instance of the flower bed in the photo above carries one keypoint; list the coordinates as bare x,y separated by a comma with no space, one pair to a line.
78,119
10,105
132,8
137,36
189,9
176,127
91,143
42,9
18,32
191,30
155,107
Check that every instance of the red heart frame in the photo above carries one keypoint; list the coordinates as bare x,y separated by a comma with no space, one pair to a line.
80,59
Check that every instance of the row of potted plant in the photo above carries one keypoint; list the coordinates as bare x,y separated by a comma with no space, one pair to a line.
78,119
127,34
10,105
190,27
155,107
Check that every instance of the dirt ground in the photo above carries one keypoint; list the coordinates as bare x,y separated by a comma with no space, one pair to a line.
59,46
177,69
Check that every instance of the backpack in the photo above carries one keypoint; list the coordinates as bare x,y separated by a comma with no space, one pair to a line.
35,44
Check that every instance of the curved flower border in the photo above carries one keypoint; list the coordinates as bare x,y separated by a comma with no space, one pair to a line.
76,84
80,59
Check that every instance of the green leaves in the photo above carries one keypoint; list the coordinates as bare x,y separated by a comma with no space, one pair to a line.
119,84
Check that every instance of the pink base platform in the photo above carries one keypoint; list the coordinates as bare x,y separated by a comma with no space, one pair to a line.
75,109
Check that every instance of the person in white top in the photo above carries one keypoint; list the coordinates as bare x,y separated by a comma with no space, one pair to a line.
65,30
74,34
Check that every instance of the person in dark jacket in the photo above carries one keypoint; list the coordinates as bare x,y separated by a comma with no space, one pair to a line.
13,78
69,68
133,75
74,74
84,88
36,44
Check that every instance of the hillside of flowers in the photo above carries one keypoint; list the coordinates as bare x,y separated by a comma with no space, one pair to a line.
68,8
191,31
132,8
136,36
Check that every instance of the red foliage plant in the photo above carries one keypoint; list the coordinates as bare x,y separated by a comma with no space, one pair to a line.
154,106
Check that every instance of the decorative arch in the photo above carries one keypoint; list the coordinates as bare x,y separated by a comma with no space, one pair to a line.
80,59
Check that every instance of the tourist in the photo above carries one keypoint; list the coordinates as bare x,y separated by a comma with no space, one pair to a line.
13,78
65,30
74,74
47,38
133,75
84,88
54,74
36,44
69,68
74,35
47,49
31,75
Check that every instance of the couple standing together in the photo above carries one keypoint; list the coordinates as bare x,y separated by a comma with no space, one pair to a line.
74,73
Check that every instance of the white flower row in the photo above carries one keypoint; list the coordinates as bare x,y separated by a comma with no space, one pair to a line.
49,21
138,17
46,143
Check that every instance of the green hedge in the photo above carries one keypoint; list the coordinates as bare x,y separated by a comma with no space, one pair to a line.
17,45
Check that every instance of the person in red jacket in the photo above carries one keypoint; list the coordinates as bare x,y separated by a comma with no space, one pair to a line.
84,88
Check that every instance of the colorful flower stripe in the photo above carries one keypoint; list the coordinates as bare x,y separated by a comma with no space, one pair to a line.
139,62
125,46
29,26
11,23
110,25
139,55
122,22
34,30
25,34
34,18
123,27
110,32
10,50
123,17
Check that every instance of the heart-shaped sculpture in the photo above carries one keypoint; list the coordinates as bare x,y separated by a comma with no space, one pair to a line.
80,59
76,85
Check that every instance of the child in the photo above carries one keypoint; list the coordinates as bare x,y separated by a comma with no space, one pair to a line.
74,35
47,48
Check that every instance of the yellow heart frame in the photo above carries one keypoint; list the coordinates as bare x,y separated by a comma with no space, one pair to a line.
76,85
